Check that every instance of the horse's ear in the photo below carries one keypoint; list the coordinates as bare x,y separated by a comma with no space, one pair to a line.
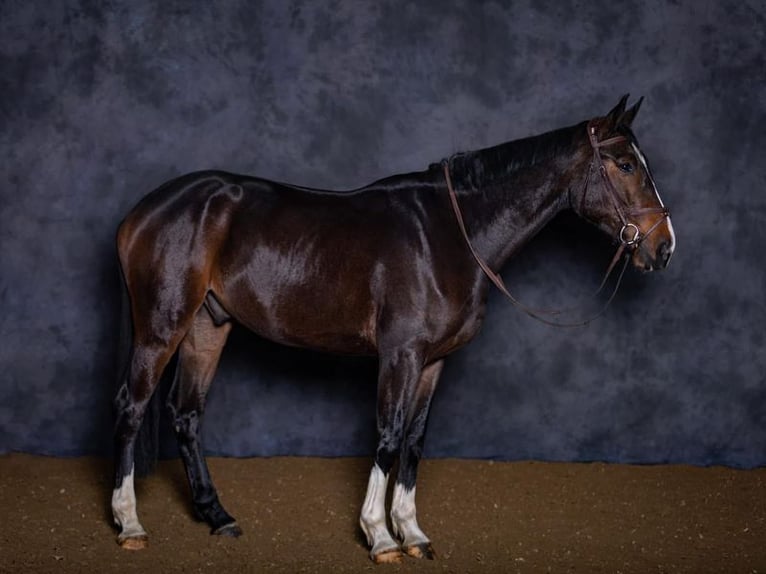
611,121
628,116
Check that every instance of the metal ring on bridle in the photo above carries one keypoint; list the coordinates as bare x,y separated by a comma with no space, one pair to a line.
636,234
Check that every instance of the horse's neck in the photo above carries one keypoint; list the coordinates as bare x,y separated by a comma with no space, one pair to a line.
504,213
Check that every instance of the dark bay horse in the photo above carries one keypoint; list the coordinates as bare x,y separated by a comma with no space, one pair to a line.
384,270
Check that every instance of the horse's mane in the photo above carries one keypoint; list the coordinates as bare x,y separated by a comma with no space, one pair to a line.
494,165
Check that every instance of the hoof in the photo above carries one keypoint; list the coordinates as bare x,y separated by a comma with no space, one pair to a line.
133,542
232,530
391,556
423,550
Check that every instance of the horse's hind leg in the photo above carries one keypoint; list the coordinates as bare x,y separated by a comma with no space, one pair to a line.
145,368
198,356
163,303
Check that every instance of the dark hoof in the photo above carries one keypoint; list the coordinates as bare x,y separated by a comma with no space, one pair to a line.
232,530
424,550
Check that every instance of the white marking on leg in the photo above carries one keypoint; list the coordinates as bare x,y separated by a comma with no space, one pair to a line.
403,517
373,517
124,510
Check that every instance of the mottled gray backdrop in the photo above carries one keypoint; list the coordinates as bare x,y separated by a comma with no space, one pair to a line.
102,101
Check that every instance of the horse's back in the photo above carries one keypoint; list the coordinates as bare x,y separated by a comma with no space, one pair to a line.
212,206
297,265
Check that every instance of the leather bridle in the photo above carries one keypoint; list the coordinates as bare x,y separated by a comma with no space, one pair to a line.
629,236
630,242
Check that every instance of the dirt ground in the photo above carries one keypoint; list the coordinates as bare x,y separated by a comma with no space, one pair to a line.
300,515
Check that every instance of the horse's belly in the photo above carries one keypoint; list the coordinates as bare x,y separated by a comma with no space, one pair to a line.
340,320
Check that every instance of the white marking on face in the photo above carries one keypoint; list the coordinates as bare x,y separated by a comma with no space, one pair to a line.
642,159
672,233
124,509
373,516
403,517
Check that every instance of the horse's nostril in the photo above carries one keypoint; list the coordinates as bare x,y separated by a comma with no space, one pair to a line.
663,253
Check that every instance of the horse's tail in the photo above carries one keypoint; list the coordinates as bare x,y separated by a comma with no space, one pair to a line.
147,442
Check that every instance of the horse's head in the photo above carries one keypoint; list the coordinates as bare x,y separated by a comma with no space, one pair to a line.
619,194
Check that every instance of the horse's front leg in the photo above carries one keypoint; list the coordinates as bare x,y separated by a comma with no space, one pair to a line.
397,379
403,513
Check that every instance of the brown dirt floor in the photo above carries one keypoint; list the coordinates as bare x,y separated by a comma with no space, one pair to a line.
300,515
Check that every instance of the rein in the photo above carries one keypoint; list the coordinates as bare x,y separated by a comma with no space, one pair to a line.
627,243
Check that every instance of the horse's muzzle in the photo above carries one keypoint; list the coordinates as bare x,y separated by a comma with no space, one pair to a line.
646,260
664,251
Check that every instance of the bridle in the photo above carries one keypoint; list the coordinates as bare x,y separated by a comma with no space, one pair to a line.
627,243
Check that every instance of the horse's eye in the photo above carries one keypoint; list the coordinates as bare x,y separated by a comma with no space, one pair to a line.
625,167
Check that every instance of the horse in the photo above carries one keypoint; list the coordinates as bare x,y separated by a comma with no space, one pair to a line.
398,269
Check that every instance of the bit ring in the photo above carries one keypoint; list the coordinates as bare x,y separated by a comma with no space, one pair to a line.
636,234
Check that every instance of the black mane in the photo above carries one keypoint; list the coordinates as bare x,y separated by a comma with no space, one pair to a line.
494,165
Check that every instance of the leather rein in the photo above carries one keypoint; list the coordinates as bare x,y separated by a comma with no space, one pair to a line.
629,236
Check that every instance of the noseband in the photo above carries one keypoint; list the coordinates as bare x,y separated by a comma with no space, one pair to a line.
629,236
